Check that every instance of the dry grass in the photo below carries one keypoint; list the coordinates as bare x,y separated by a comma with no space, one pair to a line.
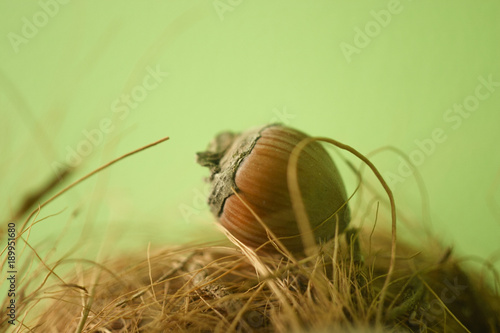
221,289
365,282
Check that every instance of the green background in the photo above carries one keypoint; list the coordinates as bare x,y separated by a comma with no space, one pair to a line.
234,65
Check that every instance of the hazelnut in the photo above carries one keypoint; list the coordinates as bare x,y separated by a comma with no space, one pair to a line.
254,164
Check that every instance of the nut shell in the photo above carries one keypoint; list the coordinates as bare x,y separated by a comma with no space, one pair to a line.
255,163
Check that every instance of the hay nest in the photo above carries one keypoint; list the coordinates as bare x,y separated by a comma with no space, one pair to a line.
227,288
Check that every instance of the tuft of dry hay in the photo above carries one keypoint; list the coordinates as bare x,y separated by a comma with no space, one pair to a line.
364,282
220,289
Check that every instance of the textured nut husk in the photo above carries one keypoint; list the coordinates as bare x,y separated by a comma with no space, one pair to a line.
255,163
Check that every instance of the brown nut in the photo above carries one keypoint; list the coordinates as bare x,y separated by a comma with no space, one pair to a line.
255,163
